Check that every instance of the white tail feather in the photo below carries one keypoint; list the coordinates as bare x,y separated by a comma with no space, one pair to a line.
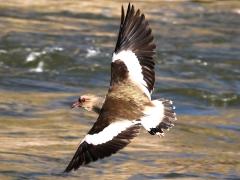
153,115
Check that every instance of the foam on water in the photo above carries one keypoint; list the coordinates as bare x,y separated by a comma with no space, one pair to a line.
39,68
35,54
2,51
92,52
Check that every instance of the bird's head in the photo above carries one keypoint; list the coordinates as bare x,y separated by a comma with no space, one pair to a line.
87,101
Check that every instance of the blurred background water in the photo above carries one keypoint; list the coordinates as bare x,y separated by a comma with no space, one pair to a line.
53,51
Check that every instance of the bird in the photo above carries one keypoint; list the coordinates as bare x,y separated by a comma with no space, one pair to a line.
127,105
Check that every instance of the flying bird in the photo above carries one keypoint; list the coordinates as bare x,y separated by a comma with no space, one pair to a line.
127,105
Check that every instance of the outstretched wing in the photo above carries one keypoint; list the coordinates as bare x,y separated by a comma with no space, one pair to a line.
135,48
111,132
103,140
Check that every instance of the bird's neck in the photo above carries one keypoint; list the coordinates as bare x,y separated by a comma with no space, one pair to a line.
96,109
97,105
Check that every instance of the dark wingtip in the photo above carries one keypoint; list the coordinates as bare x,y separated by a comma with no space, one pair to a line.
68,168
129,5
122,16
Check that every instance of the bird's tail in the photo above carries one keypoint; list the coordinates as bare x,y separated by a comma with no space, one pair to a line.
160,117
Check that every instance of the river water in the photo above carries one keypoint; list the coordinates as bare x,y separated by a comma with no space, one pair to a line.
53,51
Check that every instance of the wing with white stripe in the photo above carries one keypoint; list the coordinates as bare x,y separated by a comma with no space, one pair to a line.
99,144
135,48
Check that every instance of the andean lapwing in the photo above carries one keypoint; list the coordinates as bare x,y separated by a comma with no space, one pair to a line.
127,105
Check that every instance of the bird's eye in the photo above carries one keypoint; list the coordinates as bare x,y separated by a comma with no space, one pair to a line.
83,99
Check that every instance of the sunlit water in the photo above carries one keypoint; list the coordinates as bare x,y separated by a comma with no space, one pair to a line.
53,51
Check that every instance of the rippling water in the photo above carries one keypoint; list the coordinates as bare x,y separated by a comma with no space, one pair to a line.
51,52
